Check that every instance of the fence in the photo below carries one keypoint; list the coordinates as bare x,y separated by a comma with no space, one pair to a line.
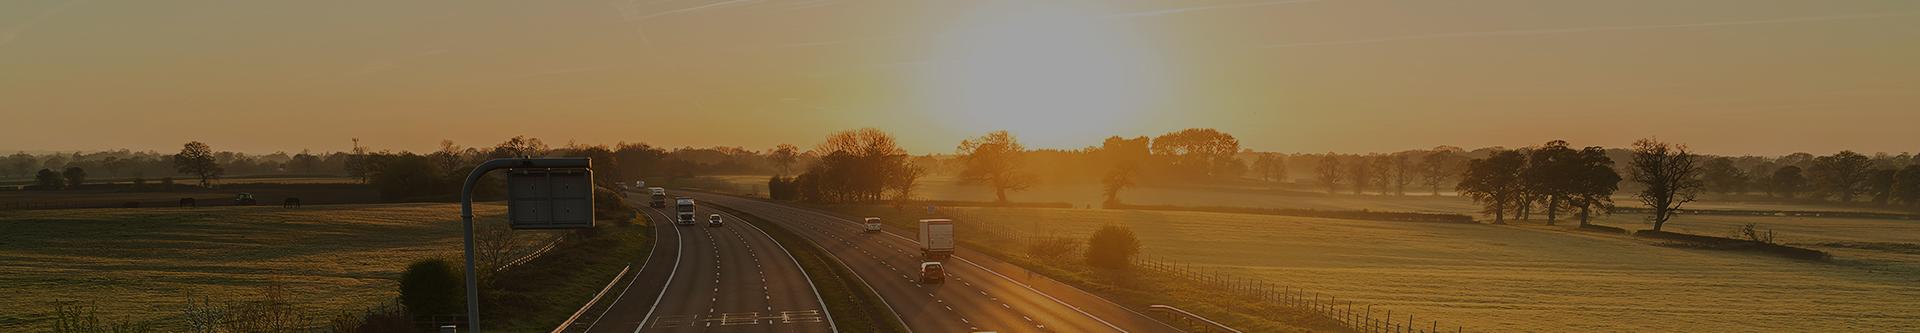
1350,315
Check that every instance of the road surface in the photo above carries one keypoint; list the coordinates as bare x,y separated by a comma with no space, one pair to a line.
732,278
981,293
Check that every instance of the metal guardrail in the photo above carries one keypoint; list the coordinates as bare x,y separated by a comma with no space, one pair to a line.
569,323
1191,320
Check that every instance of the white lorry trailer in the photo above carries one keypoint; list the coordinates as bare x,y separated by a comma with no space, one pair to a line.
936,239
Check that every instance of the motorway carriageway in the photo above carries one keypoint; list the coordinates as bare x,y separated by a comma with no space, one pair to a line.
732,278
981,293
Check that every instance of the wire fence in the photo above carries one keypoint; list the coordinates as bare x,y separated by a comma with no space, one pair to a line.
1349,314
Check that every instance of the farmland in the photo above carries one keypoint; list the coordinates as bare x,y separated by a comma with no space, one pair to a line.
1519,278
1237,195
141,264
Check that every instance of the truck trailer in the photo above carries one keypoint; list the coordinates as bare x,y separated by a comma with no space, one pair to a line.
936,239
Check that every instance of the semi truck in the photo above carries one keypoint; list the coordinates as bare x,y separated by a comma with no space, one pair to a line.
659,199
684,206
936,239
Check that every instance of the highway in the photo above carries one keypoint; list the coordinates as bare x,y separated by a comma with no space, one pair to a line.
732,278
981,294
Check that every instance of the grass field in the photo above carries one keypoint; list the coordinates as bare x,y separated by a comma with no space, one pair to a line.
143,263
1088,195
1517,278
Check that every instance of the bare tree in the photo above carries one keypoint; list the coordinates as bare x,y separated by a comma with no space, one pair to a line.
196,159
996,160
1439,166
1120,178
1671,176
783,157
1330,172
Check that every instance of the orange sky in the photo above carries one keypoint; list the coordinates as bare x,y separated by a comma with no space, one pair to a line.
1732,76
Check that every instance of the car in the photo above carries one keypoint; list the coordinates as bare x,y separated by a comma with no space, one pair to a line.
713,220
872,224
932,272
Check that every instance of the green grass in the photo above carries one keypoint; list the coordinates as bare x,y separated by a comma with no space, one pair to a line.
1487,278
855,308
141,264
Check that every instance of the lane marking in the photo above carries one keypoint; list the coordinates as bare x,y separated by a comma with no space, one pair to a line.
856,276
623,290
803,272
989,270
679,251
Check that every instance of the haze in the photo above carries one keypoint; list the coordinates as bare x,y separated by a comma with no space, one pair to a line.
1730,77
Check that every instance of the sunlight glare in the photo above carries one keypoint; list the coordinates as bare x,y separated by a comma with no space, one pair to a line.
1052,73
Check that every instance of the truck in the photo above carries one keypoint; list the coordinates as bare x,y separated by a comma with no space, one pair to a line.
659,199
684,206
936,239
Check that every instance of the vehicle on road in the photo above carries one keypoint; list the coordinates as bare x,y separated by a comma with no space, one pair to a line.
684,206
659,197
639,184
245,199
713,220
872,224
931,272
936,239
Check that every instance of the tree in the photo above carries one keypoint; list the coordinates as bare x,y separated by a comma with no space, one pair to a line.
47,179
1438,166
305,163
1787,182
1119,178
997,160
854,166
1906,186
1841,175
432,287
22,164
75,176
903,182
1880,185
1402,173
1199,152
1593,182
1112,246
1382,168
1329,172
1670,175
1494,182
1361,173
1722,177
197,159
783,157
1271,167
1549,175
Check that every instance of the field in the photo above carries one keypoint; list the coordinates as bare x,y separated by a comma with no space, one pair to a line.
1520,278
1294,197
144,263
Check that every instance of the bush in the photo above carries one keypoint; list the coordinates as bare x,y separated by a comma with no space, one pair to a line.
1112,246
609,205
433,287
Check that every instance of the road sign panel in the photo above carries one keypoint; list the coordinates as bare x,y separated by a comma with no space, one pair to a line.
550,198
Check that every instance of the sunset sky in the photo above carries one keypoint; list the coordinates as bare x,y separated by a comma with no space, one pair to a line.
1731,77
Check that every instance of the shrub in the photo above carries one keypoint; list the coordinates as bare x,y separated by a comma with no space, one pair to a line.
433,287
1112,246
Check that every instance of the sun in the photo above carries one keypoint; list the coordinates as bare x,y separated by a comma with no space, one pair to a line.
1056,75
